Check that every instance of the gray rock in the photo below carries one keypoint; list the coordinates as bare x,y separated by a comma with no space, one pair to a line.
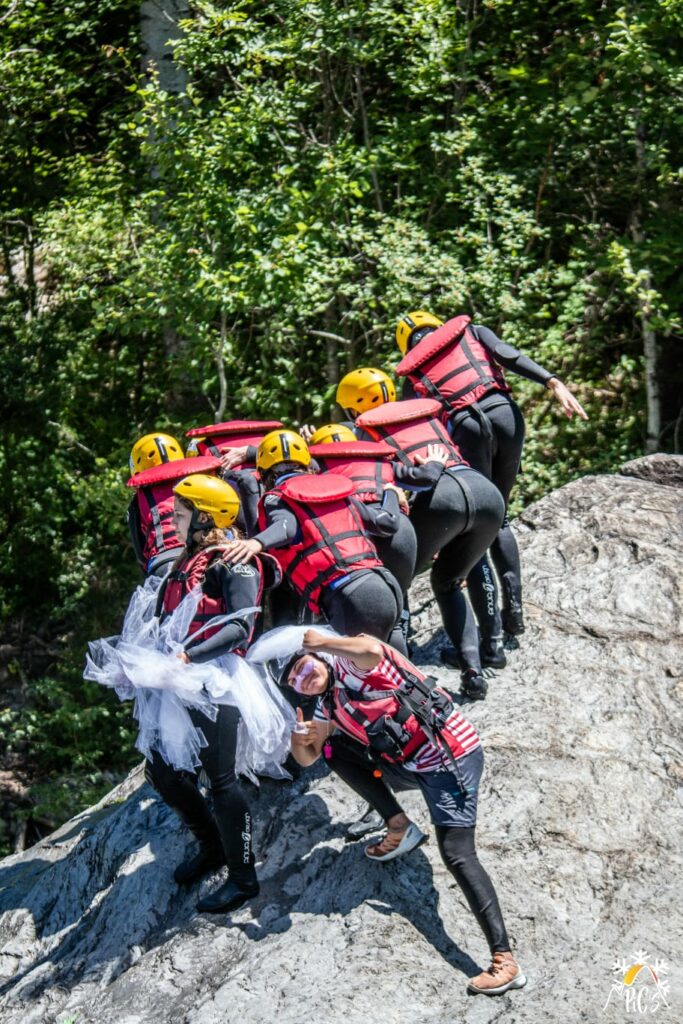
580,827
659,468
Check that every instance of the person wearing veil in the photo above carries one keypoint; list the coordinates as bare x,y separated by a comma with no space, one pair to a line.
197,702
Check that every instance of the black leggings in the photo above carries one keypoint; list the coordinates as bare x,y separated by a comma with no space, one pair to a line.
490,436
456,845
458,519
232,825
398,552
371,602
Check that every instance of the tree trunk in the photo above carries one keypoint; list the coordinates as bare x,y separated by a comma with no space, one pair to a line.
650,341
158,28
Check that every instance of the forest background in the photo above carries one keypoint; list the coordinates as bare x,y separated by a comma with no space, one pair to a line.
221,226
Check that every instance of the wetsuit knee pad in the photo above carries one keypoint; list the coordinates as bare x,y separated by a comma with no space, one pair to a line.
447,586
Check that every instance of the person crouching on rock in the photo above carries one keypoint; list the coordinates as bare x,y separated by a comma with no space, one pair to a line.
416,737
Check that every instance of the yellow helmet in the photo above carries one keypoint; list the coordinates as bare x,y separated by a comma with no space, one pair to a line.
333,432
364,389
282,446
415,321
212,495
192,451
153,450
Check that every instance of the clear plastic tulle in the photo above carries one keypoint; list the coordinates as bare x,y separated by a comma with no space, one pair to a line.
276,648
142,664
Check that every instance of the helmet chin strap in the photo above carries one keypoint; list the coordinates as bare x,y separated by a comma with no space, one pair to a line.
197,527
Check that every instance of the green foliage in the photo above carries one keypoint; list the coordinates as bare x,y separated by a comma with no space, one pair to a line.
233,250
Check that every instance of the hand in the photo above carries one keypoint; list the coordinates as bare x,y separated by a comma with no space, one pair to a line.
569,404
182,656
242,551
307,432
232,457
401,495
435,453
308,733
314,641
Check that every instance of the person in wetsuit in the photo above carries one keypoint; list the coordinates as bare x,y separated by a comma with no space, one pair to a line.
461,364
320,535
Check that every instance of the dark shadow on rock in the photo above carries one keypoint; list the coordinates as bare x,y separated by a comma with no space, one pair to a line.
157,908
404,886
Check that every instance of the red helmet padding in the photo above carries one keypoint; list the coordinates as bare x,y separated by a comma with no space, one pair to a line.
432,343
320,488
352,450
174,470
232,427
399,412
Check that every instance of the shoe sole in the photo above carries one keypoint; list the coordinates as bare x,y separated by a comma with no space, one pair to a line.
399,851
473,696
362,835
518,982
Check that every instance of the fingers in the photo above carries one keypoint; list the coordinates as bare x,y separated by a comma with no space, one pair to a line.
307,432
232,457
299,715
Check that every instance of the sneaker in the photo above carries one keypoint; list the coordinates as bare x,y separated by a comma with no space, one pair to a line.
503,973
370,822
492,653
473,685
394,844
206,859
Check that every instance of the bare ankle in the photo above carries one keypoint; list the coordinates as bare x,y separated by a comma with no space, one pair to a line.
398,822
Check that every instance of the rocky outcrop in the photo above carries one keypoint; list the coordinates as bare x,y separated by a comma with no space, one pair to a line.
580,826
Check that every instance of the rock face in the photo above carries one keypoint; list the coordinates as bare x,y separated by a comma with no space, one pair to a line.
580,827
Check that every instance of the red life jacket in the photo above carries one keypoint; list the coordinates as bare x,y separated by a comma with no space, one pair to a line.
451,365
398,710
218,437
156,520
366,463
333,538
155,500
409,427
186,576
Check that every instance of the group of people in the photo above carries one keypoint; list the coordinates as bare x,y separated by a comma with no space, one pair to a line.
273,622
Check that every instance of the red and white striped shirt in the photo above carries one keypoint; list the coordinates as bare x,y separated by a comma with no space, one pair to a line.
460,735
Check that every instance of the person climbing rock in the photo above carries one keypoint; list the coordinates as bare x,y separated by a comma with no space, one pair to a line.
193,688
235,443
320,535
157,464
461,365
370,467
456,519
403,731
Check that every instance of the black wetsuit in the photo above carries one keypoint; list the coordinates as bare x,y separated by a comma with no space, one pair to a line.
230,825
365,601
457,521
490,436
247,485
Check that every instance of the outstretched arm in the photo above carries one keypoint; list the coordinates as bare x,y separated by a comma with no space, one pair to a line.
512,359
364,651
